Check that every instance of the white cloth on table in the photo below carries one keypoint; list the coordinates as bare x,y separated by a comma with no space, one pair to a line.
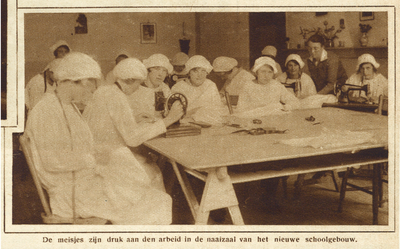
204,102
332,139
255,95
377,86
316,101
128,178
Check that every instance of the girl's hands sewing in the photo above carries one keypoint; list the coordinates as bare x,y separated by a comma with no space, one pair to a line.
175,114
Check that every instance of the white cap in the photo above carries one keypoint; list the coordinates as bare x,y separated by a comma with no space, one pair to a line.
367,58
59,44
294,57
158,60
224,64
198,61
130,68
53,64
76,66
264,61
269,50
179,59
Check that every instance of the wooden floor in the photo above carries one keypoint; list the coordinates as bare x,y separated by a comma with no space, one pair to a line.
317,205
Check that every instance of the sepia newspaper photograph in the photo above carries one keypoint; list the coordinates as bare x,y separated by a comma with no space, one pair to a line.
199,124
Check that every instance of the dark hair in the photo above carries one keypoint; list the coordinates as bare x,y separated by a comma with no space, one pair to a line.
62,46
316,38
374,68
120,58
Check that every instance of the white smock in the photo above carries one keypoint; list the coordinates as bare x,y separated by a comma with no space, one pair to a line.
204,101
234,86
142,101
307,86
256,95
377,86
34,91
62,141
129,180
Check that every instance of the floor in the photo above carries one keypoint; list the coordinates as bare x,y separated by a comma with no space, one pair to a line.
317,204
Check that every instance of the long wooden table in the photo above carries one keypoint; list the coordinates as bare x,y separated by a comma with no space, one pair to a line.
209,156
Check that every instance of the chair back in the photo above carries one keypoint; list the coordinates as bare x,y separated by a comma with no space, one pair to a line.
383,105
26,145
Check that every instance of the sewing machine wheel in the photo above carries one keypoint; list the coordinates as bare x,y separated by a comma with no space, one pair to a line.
175,97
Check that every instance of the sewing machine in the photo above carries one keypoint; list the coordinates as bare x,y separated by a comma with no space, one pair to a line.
342,92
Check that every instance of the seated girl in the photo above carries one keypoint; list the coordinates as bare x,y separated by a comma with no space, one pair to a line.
265,92
63,143
132,178
295,80
204,102
367,74
149,98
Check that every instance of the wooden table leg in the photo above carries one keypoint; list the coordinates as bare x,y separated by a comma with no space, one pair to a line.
219,193
187,189
375,193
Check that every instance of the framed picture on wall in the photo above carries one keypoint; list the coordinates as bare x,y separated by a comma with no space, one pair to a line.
364,16
148,32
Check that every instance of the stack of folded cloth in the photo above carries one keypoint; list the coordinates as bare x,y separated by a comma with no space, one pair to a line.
180,130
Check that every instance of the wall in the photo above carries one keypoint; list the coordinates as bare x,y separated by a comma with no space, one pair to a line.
350,35
108,34
224,34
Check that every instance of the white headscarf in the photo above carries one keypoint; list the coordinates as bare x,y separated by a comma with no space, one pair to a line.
198,61
76,66
158,60
179,59
53,64
59,44
294,57
130,68
367,58
224,64
269,50
264,61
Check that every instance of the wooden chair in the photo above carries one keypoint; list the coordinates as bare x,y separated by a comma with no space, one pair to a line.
375,175
48,217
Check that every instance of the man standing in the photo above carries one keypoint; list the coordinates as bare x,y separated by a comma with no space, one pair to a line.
324,67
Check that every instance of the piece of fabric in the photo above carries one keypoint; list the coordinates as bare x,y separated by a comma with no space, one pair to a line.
328,72
128,178
332,139
377,86
305,85
255,95
204,102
